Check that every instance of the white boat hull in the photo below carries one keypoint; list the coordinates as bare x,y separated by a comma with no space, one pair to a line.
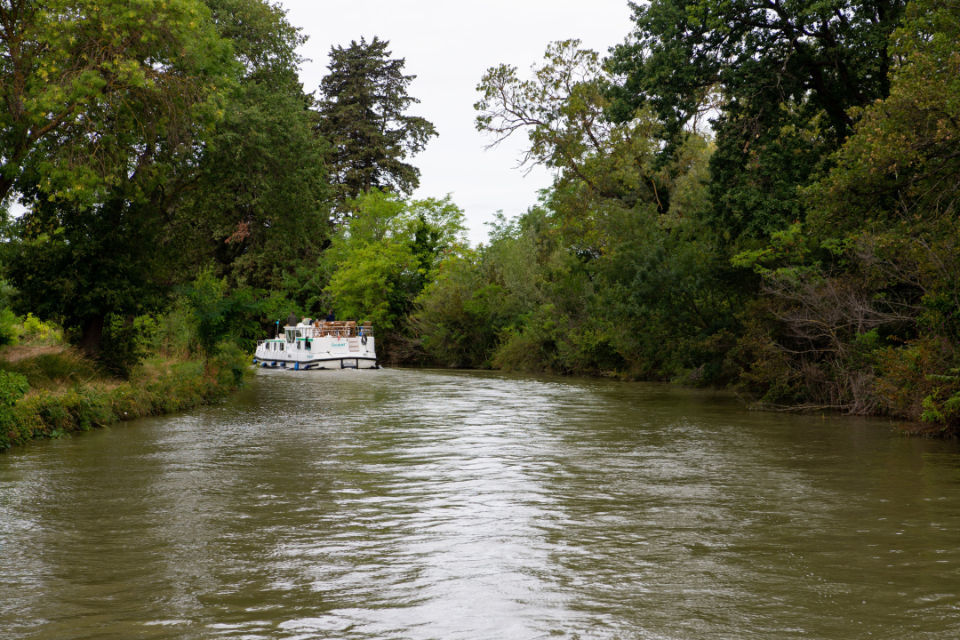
330,363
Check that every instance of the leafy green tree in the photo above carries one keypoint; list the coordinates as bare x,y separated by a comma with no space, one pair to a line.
859,306
377,284
91,268
89,88
387,253
363,113
80,266
786,73
221,314
261,187
460,314
561,108
101,185
901,164
260,180
625,276
262,38
888,213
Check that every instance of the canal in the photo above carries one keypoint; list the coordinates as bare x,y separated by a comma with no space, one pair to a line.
430,504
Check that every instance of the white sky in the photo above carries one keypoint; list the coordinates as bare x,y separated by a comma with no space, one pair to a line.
448,45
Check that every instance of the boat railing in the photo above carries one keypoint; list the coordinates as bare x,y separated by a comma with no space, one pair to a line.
337,329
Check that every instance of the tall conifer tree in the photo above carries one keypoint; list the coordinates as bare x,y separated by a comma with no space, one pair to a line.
363,104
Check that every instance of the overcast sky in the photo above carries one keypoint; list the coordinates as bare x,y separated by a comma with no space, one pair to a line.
448,45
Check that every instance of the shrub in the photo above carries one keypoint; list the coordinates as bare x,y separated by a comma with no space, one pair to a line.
920,382
12,387
219,315
176,333
941,407
35,331
231,365
8,327
126,341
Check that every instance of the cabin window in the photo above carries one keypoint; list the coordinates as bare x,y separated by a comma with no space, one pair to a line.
307,343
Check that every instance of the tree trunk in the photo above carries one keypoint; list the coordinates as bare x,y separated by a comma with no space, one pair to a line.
92,336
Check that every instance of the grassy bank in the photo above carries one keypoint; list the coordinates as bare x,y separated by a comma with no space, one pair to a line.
47,392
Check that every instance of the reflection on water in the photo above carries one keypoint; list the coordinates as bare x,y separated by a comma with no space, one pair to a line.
412,504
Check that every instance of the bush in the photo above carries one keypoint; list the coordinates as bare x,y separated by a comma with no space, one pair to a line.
528,349
35,331
920,382
941,407
230,366
126,341
12,387
176,334
8,327
219,315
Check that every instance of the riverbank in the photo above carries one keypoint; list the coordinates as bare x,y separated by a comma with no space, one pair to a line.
50,392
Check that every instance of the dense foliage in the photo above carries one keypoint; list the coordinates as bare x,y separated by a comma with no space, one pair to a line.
781,78
168,157
762,196
758,195
385,257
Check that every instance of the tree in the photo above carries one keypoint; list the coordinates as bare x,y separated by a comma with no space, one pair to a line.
562,110
110,103
625,275
262,38
89,88
387,253
81,267
787,74
889,210
260,179
860,303
560,107
891,201
362,107
460,314
901,164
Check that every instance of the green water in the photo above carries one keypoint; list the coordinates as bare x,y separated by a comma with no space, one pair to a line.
419,504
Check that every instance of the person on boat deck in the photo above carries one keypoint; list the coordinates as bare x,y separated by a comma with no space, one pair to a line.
330,316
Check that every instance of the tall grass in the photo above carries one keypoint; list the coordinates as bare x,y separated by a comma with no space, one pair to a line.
157,387
54,369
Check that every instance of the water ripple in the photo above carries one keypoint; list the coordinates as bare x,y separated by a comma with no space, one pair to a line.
418,504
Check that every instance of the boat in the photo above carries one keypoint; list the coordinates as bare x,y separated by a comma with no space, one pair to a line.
320,344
